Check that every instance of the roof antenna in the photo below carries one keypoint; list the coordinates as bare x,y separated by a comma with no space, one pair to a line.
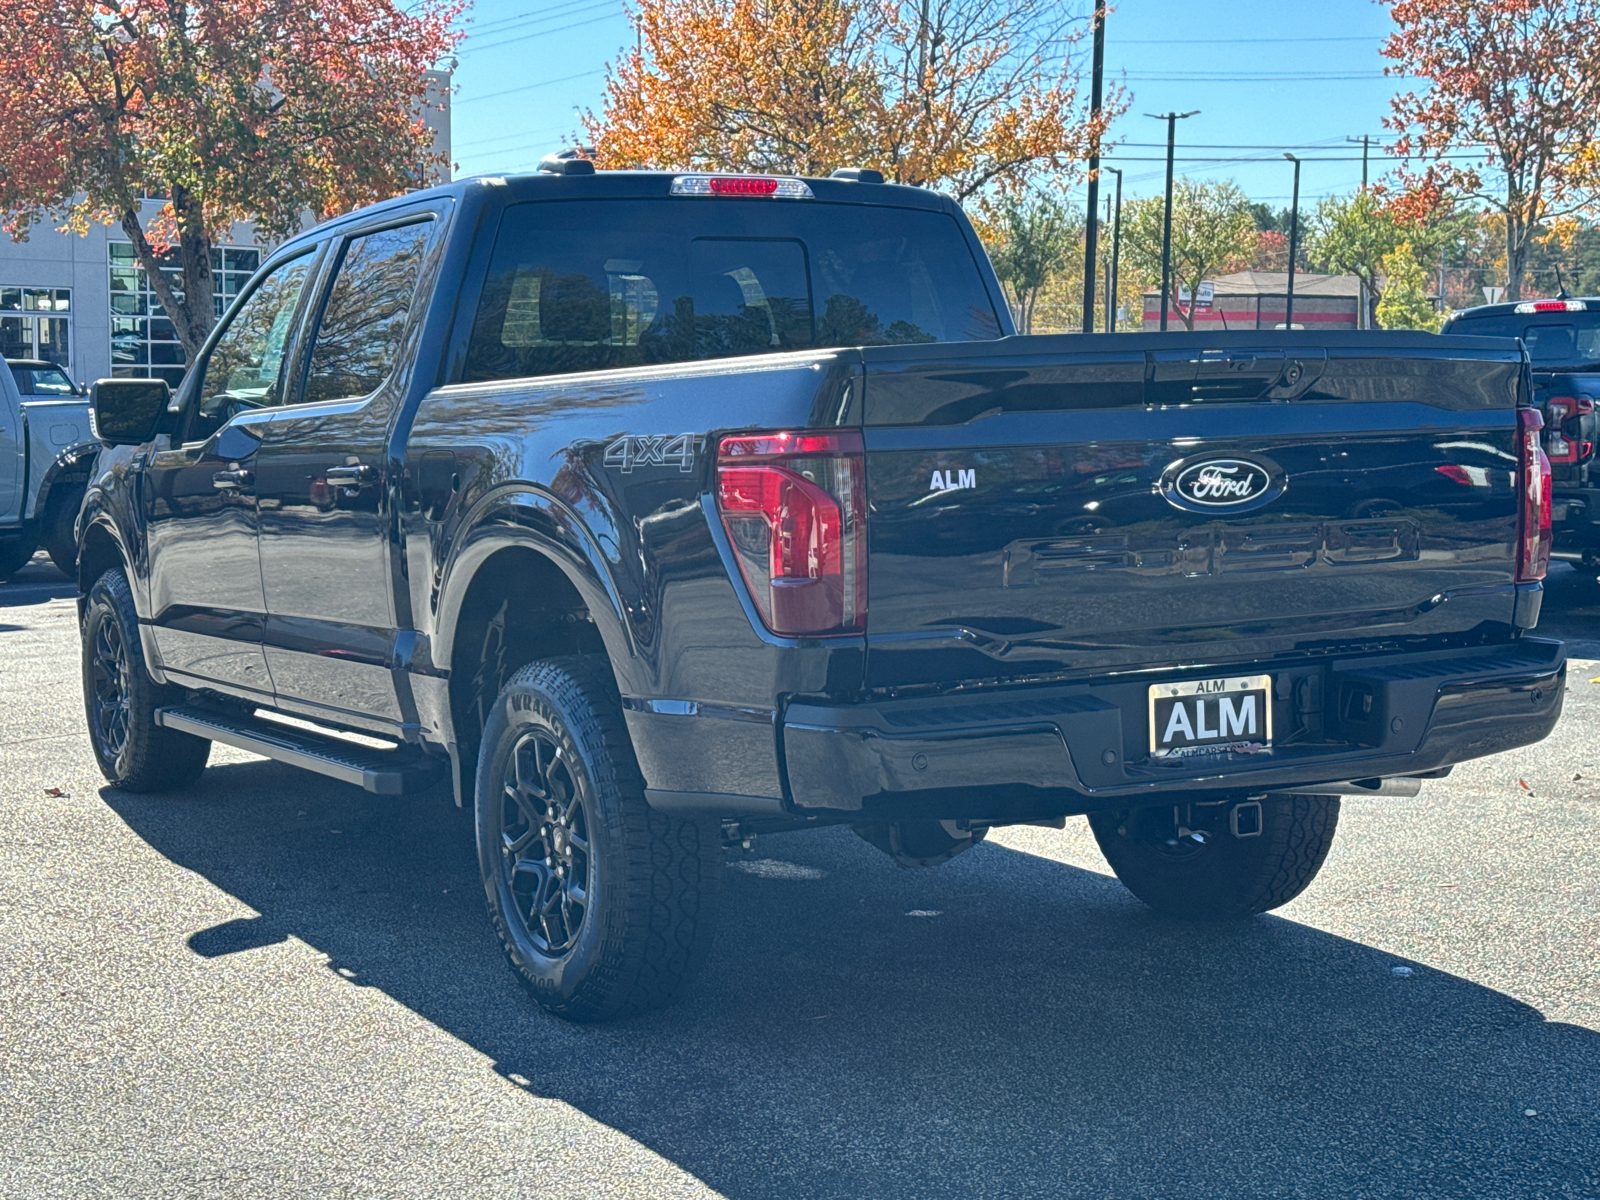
1561,287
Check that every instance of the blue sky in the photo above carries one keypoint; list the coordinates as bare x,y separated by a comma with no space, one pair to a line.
1266,74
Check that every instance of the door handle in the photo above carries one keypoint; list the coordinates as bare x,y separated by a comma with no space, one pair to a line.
351,476
236,478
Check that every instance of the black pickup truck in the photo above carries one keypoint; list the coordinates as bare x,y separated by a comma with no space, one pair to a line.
658,511
1562,337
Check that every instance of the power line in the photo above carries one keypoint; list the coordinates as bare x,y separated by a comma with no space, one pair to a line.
550,12
1236,41
528,87
530,138
1298,77
541,33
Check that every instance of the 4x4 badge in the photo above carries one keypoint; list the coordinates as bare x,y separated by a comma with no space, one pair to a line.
653,450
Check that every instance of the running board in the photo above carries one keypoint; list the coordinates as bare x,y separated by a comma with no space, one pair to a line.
381,772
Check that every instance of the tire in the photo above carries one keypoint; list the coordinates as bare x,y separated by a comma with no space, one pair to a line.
120,700
14,555
558,797
60,514
1223,877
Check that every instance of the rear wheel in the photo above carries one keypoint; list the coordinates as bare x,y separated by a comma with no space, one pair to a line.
121,699
604,906
1218,862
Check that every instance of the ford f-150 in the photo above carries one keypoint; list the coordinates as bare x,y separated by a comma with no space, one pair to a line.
655,510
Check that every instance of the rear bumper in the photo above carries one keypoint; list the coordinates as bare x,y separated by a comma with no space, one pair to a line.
1082,747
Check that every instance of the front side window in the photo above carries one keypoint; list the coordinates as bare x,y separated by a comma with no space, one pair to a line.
584,286
359,338
245,367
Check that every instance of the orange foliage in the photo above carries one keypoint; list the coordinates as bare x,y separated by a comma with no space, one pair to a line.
229,110
1514,81
982,95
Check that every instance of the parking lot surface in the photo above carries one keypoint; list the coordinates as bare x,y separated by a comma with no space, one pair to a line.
279,986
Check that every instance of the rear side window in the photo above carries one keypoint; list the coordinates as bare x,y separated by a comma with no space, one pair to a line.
359,336
1565,340
584,286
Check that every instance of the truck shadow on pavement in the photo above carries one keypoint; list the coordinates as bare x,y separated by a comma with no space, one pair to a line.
1044,1034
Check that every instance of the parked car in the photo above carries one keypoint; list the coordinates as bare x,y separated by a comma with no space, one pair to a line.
46,453
655,511
1562,337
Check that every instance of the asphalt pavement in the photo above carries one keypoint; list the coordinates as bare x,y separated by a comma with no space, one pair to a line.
279,986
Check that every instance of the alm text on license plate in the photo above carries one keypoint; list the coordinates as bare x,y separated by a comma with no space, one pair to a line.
1211,716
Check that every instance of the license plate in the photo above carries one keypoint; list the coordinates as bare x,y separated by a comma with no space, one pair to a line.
1211,716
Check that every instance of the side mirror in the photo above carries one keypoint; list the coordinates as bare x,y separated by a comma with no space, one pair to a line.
127,412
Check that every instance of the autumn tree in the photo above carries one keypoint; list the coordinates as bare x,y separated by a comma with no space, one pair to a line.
1212,226
1515,81
228,110
967,95
1405,303
1035,240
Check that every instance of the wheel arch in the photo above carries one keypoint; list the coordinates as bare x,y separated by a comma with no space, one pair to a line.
526,580
74,464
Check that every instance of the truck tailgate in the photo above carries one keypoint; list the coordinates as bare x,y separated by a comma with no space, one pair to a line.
1046,506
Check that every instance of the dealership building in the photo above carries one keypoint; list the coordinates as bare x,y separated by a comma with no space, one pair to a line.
83,301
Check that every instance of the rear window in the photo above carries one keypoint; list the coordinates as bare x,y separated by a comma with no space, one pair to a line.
1559,340
588,285
43,381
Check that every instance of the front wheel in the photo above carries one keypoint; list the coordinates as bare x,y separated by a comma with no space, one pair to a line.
604,906
60,515
120,700
14,555
1218,862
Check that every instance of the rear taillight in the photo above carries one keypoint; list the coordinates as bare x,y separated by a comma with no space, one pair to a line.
794,506
1563,443
1533,556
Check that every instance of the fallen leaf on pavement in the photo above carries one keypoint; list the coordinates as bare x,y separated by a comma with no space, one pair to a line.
56,792
1524,784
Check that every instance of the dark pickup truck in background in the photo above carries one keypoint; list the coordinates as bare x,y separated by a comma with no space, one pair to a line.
1562,337
657,511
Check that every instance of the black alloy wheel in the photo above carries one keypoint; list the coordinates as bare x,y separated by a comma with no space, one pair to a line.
120,699
110,691
604,906
544,834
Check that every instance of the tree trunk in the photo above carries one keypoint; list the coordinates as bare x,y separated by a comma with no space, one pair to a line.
1516,255
193,314
1186,317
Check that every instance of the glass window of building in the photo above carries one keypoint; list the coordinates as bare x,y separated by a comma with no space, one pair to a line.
143,341
35,322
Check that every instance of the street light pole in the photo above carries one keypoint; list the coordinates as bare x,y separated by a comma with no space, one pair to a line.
1172,119
1091,228
1294,242
1116,252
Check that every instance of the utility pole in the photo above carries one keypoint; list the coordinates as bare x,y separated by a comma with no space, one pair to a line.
1294,242
1116,251
1365,140
1172,119
1090,230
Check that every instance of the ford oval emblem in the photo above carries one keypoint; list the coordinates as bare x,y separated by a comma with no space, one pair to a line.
1221,484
